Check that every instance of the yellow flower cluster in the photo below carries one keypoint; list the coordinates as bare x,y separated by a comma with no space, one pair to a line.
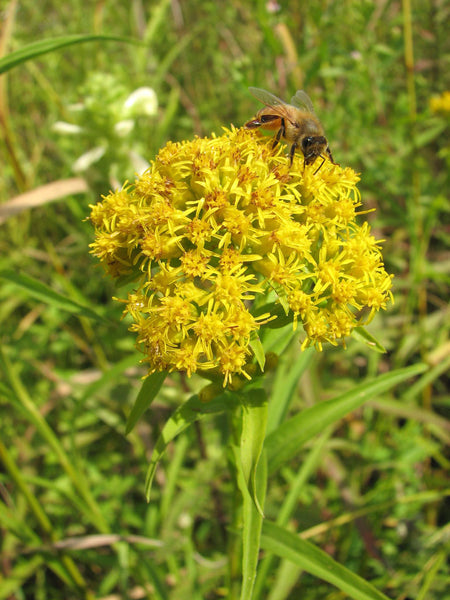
218,228
441,104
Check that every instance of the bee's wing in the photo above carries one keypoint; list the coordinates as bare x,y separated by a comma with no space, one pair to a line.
266,97
303,101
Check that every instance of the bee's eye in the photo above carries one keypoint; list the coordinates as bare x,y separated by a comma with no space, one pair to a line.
307,141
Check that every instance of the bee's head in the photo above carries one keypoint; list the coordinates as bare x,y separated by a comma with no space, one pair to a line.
312,147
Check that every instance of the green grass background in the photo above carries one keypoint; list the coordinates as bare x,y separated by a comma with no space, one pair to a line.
374,490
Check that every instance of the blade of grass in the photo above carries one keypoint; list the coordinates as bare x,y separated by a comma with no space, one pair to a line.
171,56
317,562
290,502
42,292
427,379
173,475
21,572
431,570
41,47
287,576
283,443
69,569
30,410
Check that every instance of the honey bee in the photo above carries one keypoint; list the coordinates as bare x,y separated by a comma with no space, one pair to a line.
296,123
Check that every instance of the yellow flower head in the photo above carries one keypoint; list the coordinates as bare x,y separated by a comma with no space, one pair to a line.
220,226
441,104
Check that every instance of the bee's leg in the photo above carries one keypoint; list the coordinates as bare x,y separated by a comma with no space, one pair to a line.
292,152
280,134
330,156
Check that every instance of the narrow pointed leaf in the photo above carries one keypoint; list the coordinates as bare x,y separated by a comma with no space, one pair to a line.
41,291
192,410
284,442
258,351
308,557
41,47
362,335
285,385
148,392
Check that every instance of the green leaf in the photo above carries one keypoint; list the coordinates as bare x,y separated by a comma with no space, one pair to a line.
438,560
40,47
192,410
148,392
277,340
258,350
42,292
254,423
284,513
285,384
290,546
362,335
283,443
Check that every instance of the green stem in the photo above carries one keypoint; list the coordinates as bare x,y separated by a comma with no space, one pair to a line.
234,546
249,467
